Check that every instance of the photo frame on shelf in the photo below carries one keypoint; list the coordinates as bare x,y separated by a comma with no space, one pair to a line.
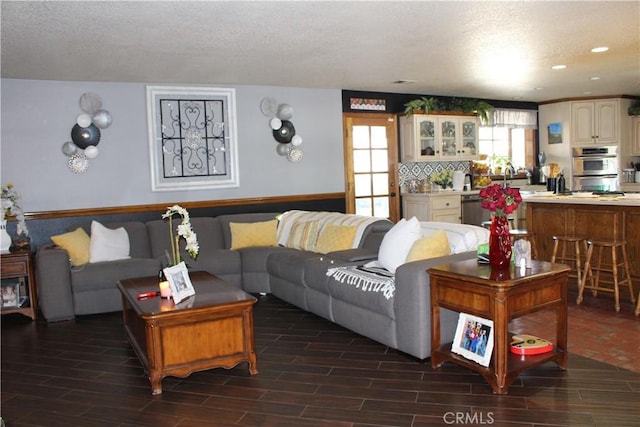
179,281
10,292
474,339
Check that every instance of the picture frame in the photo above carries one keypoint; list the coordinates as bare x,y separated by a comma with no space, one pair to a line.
554,132
192,133
474,339
10,294
179,281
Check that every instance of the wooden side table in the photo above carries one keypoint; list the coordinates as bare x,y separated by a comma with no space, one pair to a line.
18,275
472,288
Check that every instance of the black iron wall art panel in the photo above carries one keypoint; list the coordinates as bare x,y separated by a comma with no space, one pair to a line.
192,138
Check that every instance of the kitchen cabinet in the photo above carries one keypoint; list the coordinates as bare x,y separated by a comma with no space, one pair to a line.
635,136
438,137
595,122
432,207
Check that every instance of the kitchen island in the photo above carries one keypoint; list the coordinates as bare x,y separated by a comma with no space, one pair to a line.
596,217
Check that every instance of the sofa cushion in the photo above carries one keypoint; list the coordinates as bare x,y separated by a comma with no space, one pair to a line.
462,237
244,235
335,238
397,243
432,246
303,235
107,244
225,220
289,264
354,295
76,243
208,230
104,275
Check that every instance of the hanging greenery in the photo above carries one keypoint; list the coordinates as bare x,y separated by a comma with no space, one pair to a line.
465,105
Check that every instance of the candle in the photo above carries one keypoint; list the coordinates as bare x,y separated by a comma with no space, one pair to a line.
165,289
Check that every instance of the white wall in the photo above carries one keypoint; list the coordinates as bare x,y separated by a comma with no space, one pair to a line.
37,117
559,112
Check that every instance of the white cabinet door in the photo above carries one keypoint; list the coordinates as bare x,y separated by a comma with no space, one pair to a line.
432,137
635,136
594,122
416,206
418,138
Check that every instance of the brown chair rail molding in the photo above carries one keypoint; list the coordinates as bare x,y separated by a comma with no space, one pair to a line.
187,205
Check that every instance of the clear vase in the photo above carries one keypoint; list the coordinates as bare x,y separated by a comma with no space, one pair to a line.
499,243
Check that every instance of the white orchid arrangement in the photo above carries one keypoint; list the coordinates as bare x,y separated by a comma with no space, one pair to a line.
183,230
10,206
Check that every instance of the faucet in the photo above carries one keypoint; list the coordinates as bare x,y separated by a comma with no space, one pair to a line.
507,171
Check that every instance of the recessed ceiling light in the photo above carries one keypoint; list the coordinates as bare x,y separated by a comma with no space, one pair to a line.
594,78
404,82
538,88
559,67
587,93
599,49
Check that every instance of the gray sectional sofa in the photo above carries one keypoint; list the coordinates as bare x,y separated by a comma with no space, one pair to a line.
296,276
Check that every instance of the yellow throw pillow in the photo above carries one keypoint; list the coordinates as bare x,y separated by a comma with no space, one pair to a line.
303,235
335,238
432,246
244,235
76,243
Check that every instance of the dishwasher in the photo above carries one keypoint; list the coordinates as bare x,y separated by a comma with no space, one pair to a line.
472,212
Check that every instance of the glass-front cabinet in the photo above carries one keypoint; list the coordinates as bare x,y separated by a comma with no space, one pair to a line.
433,137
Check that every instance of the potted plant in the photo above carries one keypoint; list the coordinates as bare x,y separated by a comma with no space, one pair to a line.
465,105
634,109
420,105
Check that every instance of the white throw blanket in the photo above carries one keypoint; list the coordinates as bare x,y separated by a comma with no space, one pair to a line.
368,279
290,218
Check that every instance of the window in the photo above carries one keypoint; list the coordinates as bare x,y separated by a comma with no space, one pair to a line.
516,144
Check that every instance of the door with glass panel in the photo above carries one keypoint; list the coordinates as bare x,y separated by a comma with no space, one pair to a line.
371,163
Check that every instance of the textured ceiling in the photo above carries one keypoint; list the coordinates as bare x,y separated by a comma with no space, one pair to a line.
492,50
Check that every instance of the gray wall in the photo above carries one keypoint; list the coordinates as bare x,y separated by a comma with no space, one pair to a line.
37,117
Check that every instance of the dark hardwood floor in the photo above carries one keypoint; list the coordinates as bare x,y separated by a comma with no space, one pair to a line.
311,373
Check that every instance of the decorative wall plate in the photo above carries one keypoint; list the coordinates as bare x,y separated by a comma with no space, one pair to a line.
78,163
269,106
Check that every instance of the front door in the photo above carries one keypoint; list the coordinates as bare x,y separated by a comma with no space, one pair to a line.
371,165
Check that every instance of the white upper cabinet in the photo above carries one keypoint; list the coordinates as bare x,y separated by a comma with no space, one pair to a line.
595,122
433,137
635,132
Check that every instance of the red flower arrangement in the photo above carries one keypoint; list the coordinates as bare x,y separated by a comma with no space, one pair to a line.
500,200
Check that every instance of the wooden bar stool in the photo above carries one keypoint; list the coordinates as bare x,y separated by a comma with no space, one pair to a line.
525,235
613,268
573,258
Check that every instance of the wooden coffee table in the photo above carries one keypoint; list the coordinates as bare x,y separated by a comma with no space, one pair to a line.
475,289
213,328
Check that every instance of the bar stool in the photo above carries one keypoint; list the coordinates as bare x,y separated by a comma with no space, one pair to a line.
574,260
612,269
525,235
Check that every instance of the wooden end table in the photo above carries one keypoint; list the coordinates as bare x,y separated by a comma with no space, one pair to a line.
18,270
473,288
213,328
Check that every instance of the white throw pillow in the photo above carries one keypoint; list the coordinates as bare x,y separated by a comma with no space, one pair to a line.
107,244
397,243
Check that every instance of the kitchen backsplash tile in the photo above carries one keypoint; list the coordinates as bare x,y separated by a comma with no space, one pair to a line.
422,170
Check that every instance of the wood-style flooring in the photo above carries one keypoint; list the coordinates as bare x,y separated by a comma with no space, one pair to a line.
313,373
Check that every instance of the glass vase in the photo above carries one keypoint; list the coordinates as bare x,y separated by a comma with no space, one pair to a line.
499,243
